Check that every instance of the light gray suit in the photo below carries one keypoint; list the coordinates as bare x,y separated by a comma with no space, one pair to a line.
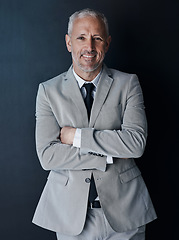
117,128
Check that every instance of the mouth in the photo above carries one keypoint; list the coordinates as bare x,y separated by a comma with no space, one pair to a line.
88,57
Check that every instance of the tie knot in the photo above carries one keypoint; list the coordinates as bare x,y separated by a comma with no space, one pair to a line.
89,87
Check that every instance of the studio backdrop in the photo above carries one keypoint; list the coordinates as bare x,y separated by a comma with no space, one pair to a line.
145,41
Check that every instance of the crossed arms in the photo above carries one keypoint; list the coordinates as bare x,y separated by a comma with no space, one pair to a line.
56,152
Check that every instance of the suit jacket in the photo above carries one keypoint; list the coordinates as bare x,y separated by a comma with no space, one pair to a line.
117,127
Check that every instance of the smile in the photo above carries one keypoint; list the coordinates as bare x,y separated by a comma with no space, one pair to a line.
87,56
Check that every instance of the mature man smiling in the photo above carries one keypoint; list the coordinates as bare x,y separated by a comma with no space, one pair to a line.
88,41
90,126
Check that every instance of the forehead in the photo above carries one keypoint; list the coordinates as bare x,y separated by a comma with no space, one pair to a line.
87,25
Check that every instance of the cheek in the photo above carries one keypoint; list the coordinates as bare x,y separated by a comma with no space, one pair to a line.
102,53
102,50
77,51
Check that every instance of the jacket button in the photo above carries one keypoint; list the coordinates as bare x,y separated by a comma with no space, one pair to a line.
87,180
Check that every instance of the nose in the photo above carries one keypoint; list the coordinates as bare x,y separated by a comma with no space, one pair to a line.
90,44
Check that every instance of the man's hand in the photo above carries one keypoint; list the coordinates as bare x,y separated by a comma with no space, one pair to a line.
67,135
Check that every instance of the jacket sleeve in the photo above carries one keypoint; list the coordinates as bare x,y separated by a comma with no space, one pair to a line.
54,155
130,140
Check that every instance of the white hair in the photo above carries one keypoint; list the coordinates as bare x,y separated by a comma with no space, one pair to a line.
85,13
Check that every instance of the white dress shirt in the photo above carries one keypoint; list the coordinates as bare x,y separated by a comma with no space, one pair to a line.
77,138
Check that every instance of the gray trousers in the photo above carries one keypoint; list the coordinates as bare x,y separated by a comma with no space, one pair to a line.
98,228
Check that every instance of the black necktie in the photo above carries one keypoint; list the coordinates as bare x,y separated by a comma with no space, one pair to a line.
88,99
88,102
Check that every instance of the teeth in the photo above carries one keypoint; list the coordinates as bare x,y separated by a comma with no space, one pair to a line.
88,56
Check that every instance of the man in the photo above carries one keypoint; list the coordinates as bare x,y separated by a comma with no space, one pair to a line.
91,125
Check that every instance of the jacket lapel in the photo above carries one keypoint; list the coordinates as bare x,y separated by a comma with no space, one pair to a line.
72,91
103,88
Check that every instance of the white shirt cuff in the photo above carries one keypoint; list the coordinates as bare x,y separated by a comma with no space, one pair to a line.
77,143
77,138
109,159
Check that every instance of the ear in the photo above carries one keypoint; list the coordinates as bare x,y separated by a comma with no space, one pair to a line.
108,41
68,42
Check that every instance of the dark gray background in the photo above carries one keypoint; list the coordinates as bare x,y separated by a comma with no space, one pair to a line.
145,40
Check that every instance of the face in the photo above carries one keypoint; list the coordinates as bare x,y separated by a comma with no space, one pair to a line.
88,44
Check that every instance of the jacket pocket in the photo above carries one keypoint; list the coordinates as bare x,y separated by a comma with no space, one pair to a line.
59,178
130,174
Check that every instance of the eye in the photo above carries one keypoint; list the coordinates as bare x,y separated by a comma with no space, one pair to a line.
80,38
98,39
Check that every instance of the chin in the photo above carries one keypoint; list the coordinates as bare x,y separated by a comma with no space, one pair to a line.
89,69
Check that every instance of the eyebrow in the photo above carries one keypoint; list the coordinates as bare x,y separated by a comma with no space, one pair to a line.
84,34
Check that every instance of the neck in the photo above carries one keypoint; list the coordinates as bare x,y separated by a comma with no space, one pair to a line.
87,76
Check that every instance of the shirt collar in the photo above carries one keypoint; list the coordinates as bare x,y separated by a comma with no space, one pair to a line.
81,81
